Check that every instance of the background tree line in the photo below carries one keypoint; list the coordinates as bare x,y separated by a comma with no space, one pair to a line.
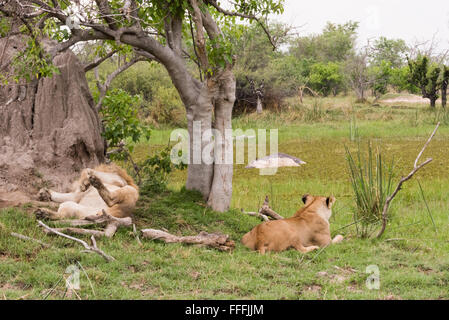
324,64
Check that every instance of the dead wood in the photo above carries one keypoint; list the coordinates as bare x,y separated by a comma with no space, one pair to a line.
266,210
416,168
22,237
111,225
256,214
215,240
77,231
92,248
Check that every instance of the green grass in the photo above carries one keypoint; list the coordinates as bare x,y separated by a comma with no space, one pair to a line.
413,257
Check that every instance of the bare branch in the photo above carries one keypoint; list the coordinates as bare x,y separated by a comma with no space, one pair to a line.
136,234
416,168
77,231
92,248
256,214
22,237
266,210
99,61
425,145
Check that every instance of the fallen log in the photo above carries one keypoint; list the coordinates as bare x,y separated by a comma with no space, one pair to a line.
214,240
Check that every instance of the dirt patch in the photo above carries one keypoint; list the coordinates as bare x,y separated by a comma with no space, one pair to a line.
13,199
407,99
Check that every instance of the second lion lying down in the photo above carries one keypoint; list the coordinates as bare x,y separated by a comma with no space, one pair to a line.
306,231
107,187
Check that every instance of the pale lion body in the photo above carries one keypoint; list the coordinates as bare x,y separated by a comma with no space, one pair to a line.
107,187
306,231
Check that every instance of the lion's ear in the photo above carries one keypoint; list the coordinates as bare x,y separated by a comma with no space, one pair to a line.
306,197
330,201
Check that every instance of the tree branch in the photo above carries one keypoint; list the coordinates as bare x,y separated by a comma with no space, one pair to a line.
242,15
92,248
99,61
103,88
416,168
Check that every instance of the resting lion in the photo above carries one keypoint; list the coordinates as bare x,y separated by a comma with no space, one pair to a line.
306,231
107,187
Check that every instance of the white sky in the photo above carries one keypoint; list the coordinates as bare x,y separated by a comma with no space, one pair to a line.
411,20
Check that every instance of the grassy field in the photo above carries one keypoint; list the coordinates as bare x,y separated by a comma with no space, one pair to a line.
412,256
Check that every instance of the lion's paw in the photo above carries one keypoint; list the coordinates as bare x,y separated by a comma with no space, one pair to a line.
41,214
44,195
338,238
95,181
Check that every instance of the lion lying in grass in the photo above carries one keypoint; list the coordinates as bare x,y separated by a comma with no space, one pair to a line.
107,187
306,231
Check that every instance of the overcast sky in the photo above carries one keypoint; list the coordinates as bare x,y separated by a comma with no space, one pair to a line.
411,20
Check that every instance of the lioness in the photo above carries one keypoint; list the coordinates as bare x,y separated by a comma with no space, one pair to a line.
107,187
306,231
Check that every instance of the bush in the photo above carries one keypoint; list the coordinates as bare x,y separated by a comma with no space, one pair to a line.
155,171
371,182
120,119
326,78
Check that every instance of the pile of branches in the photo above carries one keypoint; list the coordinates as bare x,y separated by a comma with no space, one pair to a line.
110,225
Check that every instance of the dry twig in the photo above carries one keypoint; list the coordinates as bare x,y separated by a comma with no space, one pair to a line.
22,237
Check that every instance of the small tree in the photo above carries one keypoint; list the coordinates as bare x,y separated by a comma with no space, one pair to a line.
326,78
444,83
357,75
381,74
389,50
400,80
426,75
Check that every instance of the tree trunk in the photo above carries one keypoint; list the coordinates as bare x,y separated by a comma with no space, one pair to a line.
49,129
221,191
259,105
199,121
433,102
212,178
444,95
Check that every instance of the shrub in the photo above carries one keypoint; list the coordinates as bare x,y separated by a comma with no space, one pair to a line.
120,119
371,182
155,171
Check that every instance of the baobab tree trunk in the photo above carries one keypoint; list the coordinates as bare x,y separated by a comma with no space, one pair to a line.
49,129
